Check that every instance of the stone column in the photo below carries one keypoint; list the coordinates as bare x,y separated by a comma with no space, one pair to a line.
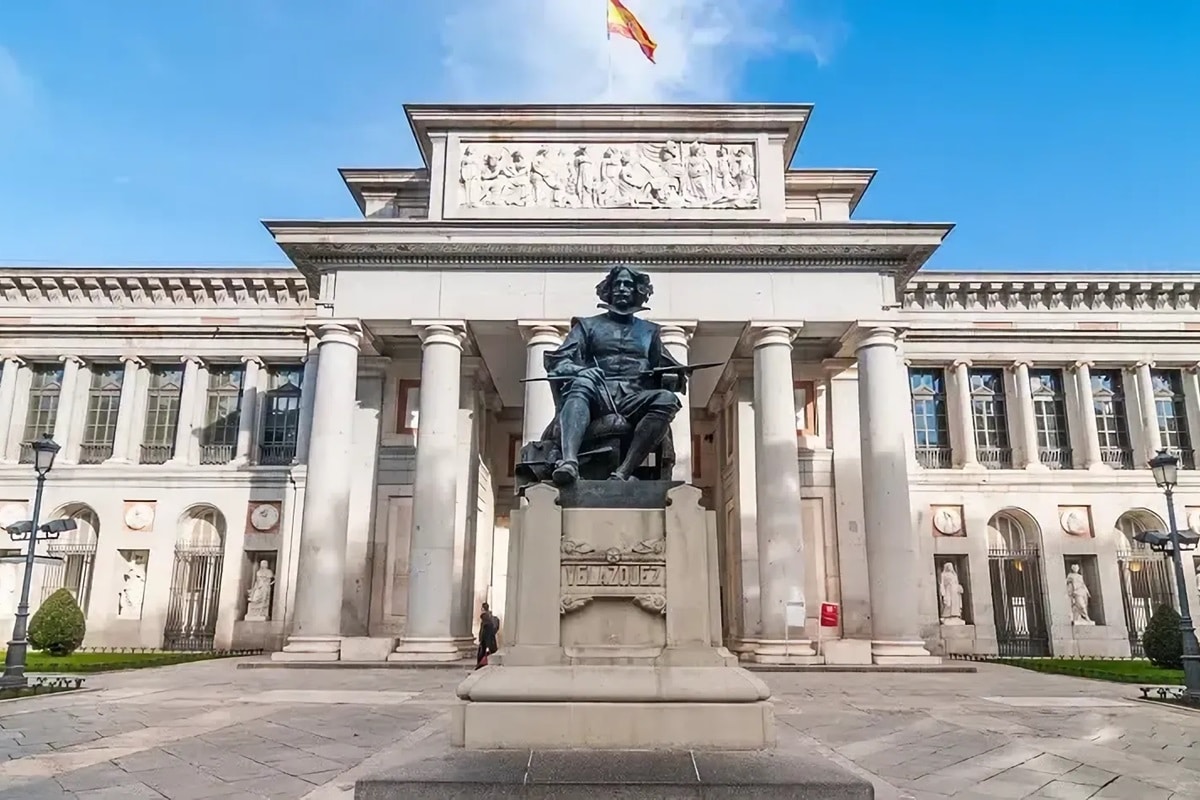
1029,439
540,338
777,496
675,339
1151,436
8,401
308,385
65,414
123,438
248,410
966,418
1087,413
429,633
185,430
892,560
320,573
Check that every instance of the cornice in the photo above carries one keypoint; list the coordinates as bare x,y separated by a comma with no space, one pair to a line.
1105,293
810,182
156,288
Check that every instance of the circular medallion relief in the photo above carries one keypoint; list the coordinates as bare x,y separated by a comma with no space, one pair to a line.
947,522
264,517
1074,522
11,514
139,516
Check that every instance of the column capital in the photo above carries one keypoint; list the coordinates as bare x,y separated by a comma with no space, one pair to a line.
342,331
965,363
1145,363
137,361
1081,364
197,360
1195,368
541,332
448,332
876,336
7,357
76,360
248,360
1022,362
766,335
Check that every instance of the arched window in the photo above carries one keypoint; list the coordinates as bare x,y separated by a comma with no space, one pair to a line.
195,580
77,553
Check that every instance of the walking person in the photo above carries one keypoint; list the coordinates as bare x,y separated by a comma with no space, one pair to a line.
489,626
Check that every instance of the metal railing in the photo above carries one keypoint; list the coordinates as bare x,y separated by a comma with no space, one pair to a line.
1117,457
95,453
1055,457
156,453
934,457
276,455
996,457
216,453
1186,456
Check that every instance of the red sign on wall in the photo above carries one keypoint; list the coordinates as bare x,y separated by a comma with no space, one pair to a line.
829,615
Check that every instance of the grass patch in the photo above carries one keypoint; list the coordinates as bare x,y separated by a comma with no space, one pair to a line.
86,661
1123,671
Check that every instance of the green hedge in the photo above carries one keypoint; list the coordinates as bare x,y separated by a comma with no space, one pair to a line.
1123,671
58,626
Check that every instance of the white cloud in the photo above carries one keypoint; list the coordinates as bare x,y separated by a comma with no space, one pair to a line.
16,90
558,50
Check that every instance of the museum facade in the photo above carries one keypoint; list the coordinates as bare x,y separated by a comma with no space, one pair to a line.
320,460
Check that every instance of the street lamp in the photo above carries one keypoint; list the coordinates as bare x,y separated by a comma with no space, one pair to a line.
44,451
1165,468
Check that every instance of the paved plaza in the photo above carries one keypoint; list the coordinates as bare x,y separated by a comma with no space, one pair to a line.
210,730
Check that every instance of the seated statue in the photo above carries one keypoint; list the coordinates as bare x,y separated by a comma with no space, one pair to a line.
616,390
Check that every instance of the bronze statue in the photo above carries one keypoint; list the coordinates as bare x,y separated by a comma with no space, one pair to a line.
615,393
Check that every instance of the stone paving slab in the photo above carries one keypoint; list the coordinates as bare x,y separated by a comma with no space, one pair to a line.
212,729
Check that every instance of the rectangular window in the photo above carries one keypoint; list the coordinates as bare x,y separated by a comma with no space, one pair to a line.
1050,417
281,415
1112,426
45,389
989,412
408,404
1171,409
162,413
805,393
100,425
218,437
931,427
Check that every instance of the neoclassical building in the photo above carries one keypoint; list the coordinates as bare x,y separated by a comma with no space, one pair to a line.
319,459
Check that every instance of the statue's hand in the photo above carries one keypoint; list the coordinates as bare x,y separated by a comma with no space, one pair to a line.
591,374
672,382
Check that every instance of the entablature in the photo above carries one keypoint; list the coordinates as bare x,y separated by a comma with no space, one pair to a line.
167,287
990,292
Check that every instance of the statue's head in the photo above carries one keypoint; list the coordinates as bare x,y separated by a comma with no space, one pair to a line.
625,289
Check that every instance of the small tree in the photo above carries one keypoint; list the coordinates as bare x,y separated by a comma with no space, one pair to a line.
1162,640
58,626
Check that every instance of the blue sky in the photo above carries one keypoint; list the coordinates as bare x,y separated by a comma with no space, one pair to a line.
1057,135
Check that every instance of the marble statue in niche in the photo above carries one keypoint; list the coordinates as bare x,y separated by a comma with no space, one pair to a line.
1079,595
258,599
951,592
133,586
632,175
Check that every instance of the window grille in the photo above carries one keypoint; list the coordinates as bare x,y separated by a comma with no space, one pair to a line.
218,438
100,425
281,415
162,413
45,390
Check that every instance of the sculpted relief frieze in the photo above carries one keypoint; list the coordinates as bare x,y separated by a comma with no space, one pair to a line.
595,175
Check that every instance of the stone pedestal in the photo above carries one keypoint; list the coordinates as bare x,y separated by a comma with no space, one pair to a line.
613,631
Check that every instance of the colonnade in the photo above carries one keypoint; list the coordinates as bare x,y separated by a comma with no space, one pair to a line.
430,635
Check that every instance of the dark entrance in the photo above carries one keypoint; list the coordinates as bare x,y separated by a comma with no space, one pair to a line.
195,593
1145,585
1018,603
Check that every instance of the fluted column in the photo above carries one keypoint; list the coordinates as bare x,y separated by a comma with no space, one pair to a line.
1151,436
892,561
1029,439
308,384
429,633
777,497
8,401
122,440
65,414
189,397
320,574
675,339
1087,413
966,419
540,339
248,409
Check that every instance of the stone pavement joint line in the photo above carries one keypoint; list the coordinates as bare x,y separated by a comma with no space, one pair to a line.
209,730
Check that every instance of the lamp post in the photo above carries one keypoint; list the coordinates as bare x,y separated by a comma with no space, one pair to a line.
1165,468
44,451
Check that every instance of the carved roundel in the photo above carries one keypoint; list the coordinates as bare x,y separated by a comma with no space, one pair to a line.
1074,522
264,517
139,516
947,521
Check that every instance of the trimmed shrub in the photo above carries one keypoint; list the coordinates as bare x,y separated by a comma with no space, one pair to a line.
1162,640
58,626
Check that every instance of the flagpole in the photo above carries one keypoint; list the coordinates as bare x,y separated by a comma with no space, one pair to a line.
608,46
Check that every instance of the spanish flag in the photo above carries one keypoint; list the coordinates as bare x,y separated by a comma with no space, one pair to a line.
622,22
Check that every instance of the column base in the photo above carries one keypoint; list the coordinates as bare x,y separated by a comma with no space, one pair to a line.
974,466
796,652
907,653
310,648
847,652
1036,466
1099,466
433,651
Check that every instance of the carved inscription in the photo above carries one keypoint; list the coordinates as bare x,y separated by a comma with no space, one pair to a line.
637,573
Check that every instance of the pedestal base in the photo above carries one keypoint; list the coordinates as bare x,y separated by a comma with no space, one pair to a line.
890,653
310,648
416,651
798,652
433,771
